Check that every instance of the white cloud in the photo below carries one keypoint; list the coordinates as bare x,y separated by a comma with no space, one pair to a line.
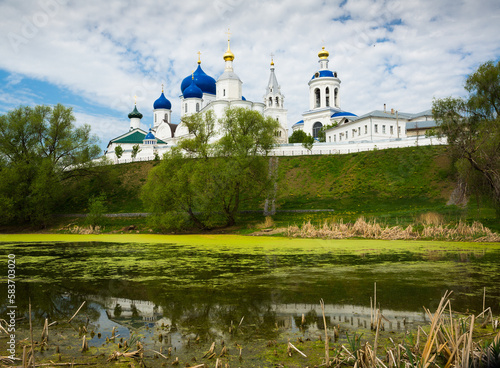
385,51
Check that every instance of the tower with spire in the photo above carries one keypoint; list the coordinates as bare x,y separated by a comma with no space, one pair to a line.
274,102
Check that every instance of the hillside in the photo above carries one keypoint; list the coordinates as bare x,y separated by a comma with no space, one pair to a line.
391,184
392,178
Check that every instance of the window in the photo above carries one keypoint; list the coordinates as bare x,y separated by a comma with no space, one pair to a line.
383,129
166,118
197,107
359,131
316,129
155,118
376,128
335,137
391,128
366,129
185,107
346,135
223,92
336,97
317,96
327,95
329,138
270,101
277,102
399,130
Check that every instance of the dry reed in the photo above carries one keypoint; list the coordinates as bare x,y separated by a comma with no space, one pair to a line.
372,230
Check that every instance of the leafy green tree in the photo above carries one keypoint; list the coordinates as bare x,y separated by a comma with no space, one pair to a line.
118,152
40,148
97,209
308,142
472,128
204,180
135,150
298,136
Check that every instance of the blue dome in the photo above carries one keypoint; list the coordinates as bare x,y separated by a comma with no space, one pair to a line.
243,98
324,73
193,91
204,82
150,135
162,103
343,113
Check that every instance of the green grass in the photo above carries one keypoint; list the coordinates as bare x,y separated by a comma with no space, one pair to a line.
393,186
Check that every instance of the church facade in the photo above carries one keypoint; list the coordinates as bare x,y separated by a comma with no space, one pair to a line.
200,93
341,131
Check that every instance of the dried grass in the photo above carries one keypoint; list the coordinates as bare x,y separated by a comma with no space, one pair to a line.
268,223
372,230
85,230
431,218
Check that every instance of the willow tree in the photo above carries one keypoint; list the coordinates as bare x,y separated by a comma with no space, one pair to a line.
207,177
472,128
40,148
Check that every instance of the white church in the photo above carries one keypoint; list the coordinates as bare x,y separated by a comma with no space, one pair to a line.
345,132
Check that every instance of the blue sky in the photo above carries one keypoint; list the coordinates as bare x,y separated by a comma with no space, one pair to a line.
96,56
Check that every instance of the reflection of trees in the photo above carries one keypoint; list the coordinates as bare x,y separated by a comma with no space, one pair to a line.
117,311
51,301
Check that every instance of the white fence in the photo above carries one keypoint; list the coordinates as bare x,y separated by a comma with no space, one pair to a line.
297,149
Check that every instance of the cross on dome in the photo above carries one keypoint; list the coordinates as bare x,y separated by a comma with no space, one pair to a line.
228,56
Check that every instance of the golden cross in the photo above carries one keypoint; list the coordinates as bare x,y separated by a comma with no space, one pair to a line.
228,34
135,99
199,57
162,88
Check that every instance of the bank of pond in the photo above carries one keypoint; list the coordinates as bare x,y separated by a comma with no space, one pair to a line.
226,300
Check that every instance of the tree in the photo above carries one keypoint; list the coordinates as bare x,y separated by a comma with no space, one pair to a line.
135,151
205,179
39,149
298,136
472,128
118,152
308,142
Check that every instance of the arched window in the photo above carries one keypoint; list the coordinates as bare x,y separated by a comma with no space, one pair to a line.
185,107
166,118
336,97
316,129
327,95
270,101
277,102
155,118
197,106
317,95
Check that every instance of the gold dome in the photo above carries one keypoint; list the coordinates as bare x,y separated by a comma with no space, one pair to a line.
323,54
228,54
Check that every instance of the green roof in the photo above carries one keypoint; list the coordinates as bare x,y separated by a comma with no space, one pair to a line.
134,138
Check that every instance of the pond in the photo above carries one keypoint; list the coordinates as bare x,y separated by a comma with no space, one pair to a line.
184,293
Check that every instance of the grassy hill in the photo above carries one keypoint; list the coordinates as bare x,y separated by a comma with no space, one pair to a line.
394,185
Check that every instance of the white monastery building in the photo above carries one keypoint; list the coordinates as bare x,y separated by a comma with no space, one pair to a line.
345,132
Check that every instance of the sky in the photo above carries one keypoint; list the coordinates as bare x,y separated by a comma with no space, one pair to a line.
95,56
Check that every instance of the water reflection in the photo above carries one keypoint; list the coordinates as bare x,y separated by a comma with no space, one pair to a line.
197,291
